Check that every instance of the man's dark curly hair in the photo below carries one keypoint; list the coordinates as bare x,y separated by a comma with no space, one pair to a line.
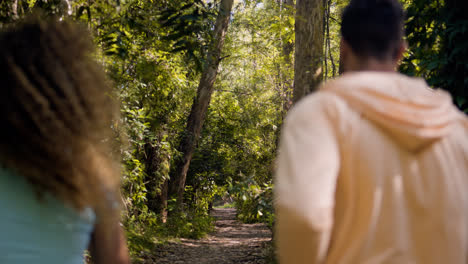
373,28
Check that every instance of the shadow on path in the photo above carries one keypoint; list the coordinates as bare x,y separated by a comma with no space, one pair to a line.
232,242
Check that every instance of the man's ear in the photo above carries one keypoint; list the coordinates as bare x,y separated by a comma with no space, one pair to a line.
345,55
343,47
344,51
401,51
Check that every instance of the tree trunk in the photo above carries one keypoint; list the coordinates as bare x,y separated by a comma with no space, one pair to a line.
155,158
15,9
201,102
328,40
309,47
162,199
285,81
288,49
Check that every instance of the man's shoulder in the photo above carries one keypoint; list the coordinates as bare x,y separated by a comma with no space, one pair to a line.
318,103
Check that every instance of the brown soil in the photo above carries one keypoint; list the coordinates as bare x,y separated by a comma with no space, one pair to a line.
232,242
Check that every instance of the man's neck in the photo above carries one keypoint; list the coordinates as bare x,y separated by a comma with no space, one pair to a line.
375,65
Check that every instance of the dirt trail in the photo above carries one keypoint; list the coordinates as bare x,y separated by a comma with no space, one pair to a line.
232,242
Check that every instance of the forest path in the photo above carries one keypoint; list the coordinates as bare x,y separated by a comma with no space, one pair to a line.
232,242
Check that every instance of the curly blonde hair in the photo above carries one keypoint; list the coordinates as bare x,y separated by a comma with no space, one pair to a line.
56,111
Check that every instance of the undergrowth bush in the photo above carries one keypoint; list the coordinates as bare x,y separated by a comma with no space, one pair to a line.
188,224
145,229
195,220
254,202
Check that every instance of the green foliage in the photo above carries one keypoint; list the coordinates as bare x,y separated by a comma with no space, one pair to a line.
189,25
203,192
242,126
11,11
195,221
153,51
332,43
155,82
254,202
141,241
189,224
227,205
437,34
246,109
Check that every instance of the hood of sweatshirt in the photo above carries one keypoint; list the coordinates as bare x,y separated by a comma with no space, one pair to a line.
412,113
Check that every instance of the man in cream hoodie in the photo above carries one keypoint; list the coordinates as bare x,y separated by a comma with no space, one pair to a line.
373,168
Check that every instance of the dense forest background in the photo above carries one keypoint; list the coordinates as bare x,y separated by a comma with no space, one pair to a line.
205,84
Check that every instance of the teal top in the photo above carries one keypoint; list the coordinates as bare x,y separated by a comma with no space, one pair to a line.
39,232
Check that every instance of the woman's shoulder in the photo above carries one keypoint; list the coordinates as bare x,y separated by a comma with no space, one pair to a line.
49,228
18,195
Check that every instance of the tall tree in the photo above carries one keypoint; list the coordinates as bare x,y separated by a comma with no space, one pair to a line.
286,10
309,28
202,100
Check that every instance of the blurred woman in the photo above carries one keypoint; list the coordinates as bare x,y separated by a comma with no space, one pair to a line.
58,182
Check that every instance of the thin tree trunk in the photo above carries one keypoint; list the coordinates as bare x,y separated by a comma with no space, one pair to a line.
152,163
155,159
326,38
15,9
288,49
329,39
309,47
285,82
162,198
201,102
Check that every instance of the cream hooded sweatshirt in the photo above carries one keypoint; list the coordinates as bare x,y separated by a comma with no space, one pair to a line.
373,169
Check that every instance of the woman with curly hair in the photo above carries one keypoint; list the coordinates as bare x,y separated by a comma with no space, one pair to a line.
58,182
